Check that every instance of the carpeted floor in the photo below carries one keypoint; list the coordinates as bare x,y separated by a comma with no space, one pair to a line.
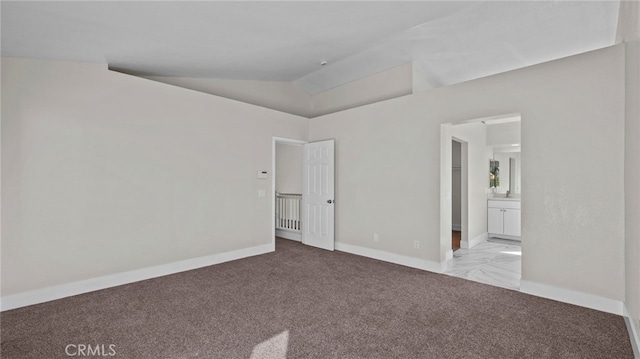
301,302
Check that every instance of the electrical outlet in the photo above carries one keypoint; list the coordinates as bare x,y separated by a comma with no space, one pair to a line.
416,244
376,237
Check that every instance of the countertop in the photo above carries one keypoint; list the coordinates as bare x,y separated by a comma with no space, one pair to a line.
510,198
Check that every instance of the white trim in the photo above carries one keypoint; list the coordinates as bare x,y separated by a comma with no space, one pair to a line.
294,236
289,141
456,227
89,285
509,117
572,297
474,242
504,236
634,332
392,257
448,255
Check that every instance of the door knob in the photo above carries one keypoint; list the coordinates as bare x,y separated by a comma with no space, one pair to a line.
329,201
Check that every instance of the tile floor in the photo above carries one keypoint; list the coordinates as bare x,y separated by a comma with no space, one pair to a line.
496,262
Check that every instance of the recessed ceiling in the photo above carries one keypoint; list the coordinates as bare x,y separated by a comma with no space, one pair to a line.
450,41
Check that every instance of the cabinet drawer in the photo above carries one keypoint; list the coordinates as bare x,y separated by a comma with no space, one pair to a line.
504,204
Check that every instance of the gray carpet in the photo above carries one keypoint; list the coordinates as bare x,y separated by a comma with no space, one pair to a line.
309,303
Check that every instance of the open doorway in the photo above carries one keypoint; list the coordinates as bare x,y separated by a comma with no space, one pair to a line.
287,188
456,193
303,192
484,202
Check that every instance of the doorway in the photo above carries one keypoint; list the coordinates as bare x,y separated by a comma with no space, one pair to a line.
478,142
286,182
456,193
303,191
287,191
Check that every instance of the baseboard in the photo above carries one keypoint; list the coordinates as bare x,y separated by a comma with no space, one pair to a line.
572,297
294,236
456,227
475,241
504,236
634,332
392,257
70,289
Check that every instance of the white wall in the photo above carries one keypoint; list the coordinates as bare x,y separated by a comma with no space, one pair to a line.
475,136
277,95
104,173
394,82
629,31
632,184
388,168
288,168
503,134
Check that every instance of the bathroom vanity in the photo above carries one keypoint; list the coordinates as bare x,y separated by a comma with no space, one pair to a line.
503,216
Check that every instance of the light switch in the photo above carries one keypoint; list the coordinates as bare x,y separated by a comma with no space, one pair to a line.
262,193
262,174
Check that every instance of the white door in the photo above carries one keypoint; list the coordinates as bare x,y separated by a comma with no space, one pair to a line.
318,194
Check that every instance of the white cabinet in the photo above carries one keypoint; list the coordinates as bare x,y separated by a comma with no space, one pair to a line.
496,220
511,222
503,219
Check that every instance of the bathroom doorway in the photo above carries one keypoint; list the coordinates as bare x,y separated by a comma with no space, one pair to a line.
480,141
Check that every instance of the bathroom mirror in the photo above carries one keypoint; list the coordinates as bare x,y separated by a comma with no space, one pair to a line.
508,172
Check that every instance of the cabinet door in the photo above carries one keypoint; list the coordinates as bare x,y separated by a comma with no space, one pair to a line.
512,222
495,222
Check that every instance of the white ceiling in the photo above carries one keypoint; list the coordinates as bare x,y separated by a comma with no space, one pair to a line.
450,41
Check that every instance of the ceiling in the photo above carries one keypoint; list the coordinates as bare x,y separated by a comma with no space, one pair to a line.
450,41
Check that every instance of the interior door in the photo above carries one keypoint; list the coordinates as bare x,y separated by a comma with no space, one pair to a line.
318,194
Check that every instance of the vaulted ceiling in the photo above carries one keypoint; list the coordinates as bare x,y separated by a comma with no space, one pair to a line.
450,41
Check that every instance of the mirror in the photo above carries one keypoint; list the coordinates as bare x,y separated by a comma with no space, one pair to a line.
504,172
503,142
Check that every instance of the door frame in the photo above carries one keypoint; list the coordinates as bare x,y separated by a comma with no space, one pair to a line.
446,136
275,140
464,191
